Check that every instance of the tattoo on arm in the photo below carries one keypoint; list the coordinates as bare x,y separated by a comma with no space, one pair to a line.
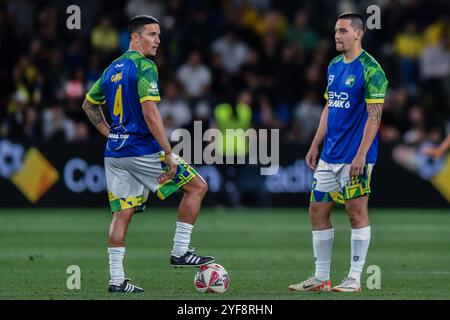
95,115
375,110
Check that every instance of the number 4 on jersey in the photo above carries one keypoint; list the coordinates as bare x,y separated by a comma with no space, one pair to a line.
118,109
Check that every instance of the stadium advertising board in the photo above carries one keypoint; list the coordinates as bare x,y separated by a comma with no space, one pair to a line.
72,175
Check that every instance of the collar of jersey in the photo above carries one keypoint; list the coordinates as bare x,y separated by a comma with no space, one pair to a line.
347,62
129,51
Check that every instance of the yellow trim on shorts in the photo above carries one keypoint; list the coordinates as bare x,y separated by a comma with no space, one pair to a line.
118,204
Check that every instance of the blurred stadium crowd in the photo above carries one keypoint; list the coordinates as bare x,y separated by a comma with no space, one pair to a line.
269,55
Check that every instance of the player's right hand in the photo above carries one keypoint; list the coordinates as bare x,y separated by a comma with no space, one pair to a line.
171,165
311,157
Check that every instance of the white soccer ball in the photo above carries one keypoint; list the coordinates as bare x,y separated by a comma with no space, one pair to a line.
211,278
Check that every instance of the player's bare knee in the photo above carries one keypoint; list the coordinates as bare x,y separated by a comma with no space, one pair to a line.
198,187
203,187
116,238
318,210
356,214
319,220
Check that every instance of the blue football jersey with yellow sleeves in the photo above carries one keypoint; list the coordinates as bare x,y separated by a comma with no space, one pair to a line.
351,86
128,81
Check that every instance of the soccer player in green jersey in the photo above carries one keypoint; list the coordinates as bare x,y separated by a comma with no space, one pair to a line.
138,156
348,129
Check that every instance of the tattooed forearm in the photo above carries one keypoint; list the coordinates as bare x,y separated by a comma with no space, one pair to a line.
375,110
371,127
95,115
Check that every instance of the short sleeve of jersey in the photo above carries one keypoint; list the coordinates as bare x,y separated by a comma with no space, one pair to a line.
147,83
333,61
375,86
96,95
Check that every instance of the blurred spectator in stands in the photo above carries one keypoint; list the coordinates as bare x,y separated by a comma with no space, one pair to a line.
194,76
436,30
202,112
314,79
270,58
394,122
156,8
104,37
231,50
74,86
266,116
94,71
274,22
222,85
173,108
238,116
75,56
55,75
47,25
31,125
435,59
81,132
418,126
235,117
13,123
408,46
28,81
307,116
251,72
280,49
435,73
290,73
301,34
56,126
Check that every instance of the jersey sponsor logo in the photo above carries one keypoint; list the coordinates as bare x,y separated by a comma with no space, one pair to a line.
153,88
330,79
338,100
118,136
117,77
350,81
118,65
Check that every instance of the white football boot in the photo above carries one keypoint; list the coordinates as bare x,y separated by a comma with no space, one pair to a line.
311,284
348,285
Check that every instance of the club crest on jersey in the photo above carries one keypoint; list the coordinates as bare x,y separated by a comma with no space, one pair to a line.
330,79
350,81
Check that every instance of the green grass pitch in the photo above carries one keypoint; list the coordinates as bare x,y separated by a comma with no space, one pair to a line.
263,250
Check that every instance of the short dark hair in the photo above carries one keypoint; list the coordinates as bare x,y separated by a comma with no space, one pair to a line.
356,20
137,23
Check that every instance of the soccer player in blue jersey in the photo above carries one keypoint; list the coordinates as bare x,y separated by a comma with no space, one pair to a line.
138,156
348,129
